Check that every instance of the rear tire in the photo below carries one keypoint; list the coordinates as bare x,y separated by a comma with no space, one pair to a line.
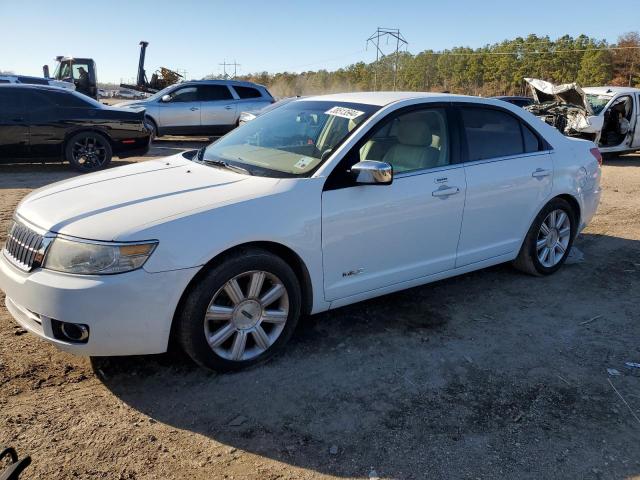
88,151
549,239
241,312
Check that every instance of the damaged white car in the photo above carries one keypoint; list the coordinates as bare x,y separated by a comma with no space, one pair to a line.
608,116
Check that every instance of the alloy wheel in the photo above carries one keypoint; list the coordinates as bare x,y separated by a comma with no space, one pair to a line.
553,238
89,152
246,315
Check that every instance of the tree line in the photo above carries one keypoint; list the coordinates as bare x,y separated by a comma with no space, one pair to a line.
496,69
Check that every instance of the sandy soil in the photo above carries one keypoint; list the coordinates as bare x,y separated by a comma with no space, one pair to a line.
493,374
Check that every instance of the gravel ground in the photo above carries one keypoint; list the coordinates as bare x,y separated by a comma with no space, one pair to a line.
493,374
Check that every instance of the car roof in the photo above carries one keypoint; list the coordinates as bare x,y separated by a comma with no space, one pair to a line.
239,83
386,98
52,88
607,89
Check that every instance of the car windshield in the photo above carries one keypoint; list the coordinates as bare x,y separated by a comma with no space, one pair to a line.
161,93
597,102
291,140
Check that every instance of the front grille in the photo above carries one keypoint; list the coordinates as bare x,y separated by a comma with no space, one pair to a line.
23,247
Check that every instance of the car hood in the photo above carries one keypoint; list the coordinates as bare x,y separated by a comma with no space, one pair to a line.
567,93
116,203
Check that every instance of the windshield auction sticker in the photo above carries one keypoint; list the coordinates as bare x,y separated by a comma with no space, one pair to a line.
303,162
344,112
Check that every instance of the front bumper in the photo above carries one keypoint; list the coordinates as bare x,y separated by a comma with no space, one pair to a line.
127,314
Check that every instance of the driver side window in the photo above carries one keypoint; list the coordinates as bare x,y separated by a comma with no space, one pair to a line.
186,94
412,141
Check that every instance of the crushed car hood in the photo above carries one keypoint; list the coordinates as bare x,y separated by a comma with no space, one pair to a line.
110,204
567,93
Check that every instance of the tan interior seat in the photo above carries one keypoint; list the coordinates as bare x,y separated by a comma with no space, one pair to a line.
413,150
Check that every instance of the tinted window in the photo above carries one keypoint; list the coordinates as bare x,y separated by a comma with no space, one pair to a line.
531,142
491,133
247,92
5,81
66,99
10,101
411,141
214,92
35,100
186,94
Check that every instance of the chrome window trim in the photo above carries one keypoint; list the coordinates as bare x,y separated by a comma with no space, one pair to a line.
506,157
425,171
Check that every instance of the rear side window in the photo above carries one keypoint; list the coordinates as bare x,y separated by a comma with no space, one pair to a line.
531,141
10,102
214,92
66,100
491,133
247,92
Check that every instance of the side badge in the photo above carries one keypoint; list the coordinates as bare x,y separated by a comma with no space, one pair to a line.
351,273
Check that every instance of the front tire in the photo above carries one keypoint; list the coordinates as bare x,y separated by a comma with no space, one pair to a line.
549,239
88,151
241,312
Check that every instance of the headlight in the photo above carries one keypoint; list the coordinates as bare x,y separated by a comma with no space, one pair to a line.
94,258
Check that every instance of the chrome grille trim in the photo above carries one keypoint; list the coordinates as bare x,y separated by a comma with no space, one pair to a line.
25,247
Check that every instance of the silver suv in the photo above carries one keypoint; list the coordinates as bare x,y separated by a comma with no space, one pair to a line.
203,107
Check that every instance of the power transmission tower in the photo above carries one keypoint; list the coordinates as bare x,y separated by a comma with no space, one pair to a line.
386,33
234,65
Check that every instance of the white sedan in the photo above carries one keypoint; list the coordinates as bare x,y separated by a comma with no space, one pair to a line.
321,203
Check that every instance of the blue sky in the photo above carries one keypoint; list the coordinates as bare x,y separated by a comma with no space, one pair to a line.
276,35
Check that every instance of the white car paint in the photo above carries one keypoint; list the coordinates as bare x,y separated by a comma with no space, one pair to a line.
399,235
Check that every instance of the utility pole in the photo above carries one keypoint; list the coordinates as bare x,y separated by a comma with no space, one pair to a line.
235,65
375,41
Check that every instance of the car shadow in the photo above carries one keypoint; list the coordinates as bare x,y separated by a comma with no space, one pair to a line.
629,160
492,371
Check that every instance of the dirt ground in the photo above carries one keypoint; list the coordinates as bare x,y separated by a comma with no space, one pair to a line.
493,374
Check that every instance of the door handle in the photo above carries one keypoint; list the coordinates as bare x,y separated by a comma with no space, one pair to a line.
445,191
541,172
228,107
193,109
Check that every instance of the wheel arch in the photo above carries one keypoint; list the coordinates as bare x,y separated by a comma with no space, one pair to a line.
575,205
69,135
278,249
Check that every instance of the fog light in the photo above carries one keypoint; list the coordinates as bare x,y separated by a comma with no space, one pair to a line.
70,332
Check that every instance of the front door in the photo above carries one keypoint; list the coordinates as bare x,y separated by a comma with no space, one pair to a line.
374,236
635,123
14,129
181,114
509,172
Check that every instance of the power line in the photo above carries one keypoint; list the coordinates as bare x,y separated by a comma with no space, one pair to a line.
533,52
235,65
375,41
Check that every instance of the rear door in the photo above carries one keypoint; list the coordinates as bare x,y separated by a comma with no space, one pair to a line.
509,173
219,108
14,128
181,114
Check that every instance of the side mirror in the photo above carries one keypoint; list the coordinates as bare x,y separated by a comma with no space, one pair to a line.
372,172
166,98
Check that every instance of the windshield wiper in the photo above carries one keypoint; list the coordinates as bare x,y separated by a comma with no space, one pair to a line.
229,166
